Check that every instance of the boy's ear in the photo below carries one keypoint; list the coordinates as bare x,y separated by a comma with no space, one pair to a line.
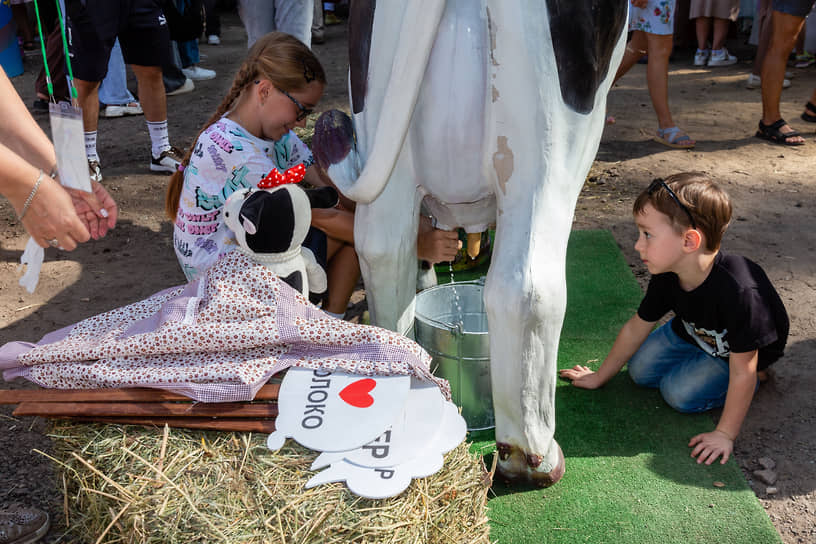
692,240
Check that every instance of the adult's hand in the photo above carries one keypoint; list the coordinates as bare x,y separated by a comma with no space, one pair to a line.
52,216
97,210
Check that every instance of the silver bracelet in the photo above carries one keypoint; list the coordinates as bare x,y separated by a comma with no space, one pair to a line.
31,195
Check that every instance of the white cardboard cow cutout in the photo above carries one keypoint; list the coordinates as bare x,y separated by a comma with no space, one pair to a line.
487,112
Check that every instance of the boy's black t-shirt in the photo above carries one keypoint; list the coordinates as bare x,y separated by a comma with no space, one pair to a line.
735,309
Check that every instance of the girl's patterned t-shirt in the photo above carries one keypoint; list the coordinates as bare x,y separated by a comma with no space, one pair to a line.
226,158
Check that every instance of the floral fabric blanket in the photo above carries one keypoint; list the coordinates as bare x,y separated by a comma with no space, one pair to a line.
216,339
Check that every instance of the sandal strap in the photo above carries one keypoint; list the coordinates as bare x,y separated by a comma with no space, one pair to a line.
776,125
811,106
673,134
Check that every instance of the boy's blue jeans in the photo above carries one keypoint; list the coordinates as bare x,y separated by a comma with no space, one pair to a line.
689,379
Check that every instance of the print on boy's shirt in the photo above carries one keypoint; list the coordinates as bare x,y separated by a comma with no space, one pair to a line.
712,342
237,181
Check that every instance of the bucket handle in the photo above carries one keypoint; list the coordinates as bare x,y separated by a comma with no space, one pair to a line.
455,328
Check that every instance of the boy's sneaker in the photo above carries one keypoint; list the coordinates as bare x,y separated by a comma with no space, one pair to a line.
212,39
701,57
186,87
722,58
755,82
168,161
197,73
23,525
95,171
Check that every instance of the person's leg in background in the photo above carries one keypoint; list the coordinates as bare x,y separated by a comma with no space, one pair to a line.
91,33
295,17
702,27
175,82
55,56
19,11
213,22
258,17
145,41
114,97
784,29
318,28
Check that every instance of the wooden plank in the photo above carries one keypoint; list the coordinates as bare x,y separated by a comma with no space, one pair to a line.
134,394
207,424
147,409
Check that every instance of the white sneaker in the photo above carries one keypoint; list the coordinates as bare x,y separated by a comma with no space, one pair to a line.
197,73
722,58
701,57
113,110
185,88
755,82
168,161
212,39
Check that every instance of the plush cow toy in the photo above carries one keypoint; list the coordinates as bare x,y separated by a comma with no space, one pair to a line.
271,222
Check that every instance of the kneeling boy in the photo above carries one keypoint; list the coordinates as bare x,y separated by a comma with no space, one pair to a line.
729,321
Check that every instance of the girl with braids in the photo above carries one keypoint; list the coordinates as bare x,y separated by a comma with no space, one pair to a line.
275,89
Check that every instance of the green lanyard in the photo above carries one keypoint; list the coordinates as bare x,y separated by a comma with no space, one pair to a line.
71,87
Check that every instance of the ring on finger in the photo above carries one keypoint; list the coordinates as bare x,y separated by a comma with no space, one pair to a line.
53,242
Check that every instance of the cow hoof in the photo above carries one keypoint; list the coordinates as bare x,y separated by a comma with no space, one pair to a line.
515,465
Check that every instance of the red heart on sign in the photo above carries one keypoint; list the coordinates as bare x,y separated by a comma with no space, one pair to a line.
356,393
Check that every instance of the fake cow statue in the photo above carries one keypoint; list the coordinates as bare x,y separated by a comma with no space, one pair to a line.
486,113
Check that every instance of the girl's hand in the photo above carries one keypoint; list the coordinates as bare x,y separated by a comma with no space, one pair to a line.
581,376
709,446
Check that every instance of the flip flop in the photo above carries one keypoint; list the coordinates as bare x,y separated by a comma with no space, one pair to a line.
674,137
773,134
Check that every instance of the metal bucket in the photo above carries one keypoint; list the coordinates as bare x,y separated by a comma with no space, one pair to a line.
456,337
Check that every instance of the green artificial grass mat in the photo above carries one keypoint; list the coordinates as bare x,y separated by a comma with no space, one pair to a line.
629,474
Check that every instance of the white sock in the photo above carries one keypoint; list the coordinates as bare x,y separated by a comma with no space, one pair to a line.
90,146
159,139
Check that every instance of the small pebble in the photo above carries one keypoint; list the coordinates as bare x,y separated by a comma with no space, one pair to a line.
719,484
767,462
771,490
767,476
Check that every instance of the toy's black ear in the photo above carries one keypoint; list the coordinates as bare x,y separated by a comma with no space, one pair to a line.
271,215
323,197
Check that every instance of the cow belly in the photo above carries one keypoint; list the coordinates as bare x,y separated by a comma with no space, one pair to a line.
447,128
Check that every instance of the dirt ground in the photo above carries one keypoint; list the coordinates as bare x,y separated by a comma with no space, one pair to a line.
773,195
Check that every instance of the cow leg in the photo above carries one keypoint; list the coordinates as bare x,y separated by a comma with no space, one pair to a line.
525,298
385,234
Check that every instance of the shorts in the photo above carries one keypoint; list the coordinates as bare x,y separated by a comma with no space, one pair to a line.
799,8
93,28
